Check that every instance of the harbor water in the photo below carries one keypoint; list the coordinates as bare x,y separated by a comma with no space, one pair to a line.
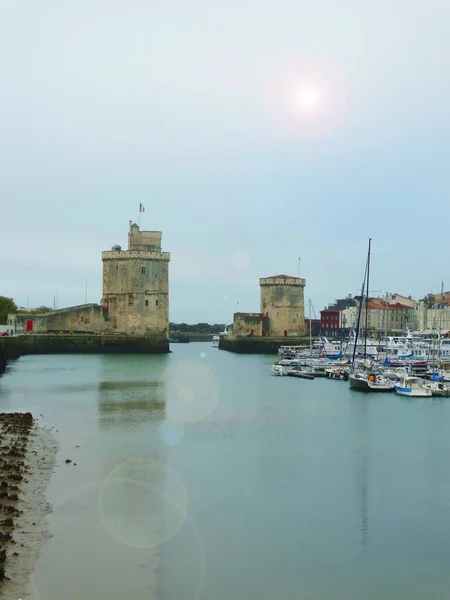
198,475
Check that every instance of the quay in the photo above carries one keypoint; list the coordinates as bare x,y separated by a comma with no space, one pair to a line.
302,375
259,345
53,343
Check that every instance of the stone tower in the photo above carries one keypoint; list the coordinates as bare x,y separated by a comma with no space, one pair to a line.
136,284
282,301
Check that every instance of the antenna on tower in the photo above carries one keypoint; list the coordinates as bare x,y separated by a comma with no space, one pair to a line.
299,266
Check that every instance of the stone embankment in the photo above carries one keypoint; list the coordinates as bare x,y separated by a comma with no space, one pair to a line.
2,360
259,345
21,345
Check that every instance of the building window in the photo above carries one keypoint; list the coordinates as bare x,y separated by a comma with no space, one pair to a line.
146,303
157,303
143,270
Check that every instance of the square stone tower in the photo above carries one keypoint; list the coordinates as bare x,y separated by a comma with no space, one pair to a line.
136,284
282,301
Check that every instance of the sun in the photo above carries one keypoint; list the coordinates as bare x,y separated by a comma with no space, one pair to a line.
307,98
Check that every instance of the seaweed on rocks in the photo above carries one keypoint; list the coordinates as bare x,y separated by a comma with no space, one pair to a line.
27,459
14,433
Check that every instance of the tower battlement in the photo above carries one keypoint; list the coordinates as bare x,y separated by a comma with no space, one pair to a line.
282,280
143,241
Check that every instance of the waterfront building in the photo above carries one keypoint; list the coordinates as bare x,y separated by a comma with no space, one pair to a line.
434,313
393,313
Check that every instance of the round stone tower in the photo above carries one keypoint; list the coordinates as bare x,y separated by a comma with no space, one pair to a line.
136,284
282,301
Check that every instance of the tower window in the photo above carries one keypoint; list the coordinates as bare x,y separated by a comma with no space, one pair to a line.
143,270
157,303
146,303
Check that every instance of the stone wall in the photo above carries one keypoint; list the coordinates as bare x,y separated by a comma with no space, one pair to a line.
83,343
257,345
2,360
82,318
249,324
282,301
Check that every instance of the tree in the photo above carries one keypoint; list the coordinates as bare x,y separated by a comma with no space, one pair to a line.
7,306
200,328
35,311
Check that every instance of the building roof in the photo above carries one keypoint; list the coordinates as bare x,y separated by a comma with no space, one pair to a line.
281,277
375,304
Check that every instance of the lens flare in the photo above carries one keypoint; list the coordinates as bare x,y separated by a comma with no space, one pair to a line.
142,503
192,391
308,98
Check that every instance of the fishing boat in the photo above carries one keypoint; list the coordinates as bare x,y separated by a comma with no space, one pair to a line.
438,388
215,341
413,386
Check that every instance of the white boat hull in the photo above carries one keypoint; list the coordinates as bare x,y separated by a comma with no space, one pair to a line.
413,393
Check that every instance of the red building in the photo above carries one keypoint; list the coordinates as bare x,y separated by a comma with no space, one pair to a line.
330,321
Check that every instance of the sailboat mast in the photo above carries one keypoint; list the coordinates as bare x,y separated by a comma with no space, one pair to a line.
440,322
310,330
367,300
358,322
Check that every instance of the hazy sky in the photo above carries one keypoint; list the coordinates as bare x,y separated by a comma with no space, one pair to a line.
253,132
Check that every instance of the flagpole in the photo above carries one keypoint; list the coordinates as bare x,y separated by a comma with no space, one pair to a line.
139,215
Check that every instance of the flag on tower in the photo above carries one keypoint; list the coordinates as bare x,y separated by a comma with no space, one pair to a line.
141,208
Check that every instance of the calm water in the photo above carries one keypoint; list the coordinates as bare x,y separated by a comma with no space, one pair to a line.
198,475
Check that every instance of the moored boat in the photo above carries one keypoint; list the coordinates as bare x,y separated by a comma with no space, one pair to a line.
438,388
358,381
413,386
377,383
278,370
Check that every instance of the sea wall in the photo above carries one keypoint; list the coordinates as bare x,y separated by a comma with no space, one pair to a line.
81,344
259,345
86,318
2,360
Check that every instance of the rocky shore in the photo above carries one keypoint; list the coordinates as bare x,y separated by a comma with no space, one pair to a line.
27,458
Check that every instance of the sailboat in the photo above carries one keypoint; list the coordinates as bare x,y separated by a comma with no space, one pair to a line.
366,379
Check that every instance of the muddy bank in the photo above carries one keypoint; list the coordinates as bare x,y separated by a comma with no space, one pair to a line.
27,460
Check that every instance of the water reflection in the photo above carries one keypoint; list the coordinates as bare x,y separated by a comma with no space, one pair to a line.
129,404
130,392
360,405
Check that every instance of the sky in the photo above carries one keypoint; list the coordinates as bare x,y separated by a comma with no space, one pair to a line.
254,133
